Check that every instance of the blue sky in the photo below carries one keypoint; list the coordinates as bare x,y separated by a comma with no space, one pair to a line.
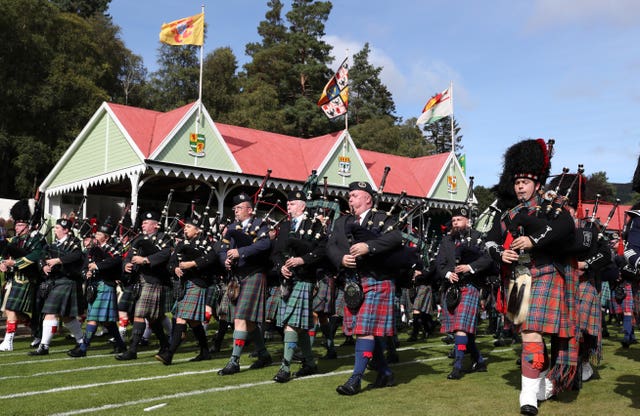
562,69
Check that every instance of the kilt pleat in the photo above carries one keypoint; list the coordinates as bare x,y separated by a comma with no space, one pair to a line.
465,317
324,300
273,303
340,305
104,308
152,303
589,310
63,299
424,299
296,311
193,304
251,300
549,310
21,297
626,307
376,314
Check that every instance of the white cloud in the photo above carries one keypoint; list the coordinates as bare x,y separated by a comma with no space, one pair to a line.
617,13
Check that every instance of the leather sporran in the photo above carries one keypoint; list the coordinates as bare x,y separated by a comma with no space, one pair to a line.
619,293
353,294
285,289
519,295
90,293
44,289
233,290
136,290
452,297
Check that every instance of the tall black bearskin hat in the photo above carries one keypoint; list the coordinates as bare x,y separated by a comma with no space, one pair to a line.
20,211
106,227
578,187
528,159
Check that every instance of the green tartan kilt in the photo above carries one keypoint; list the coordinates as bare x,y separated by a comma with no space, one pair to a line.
296,311
324,300
104,307
273,304
64,299
193,303
127,301
251,301
153,301
424,299
225,307
20,297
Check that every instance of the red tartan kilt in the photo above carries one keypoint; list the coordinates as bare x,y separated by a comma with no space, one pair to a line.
548,310
376,315
589,312
464,317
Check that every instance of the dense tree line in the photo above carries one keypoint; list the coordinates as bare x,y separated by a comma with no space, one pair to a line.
63,58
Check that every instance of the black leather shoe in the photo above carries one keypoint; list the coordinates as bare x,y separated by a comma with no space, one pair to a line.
350,388
479,367
382,381
529,410
126,356
261,362
393,357
118,350
625,344
143,342
203,356
330,355
451,353
297,357
77,352
230,368
307,370
455,374
164,357
282,376
40,351
412,338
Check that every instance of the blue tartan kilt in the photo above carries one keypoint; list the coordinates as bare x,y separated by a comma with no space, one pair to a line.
104,308
20,297
325,300
273,304
589,311
193,305
153,301
64,299
464,317
251,300
376,314
296,311
423,301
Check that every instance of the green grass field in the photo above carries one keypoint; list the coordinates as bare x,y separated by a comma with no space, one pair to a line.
99,384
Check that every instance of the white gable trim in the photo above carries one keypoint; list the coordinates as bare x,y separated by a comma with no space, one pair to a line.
334,149
114,176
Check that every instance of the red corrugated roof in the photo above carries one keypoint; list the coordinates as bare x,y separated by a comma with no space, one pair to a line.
148,128
617,221
416,176
289,158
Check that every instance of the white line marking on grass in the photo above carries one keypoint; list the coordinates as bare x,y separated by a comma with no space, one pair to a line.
158,406
229,388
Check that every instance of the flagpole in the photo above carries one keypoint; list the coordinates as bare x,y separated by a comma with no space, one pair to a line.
200,81
453,139
346,114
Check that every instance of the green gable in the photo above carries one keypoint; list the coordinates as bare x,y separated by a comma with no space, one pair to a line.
453,174
104,149
178,151
341,161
